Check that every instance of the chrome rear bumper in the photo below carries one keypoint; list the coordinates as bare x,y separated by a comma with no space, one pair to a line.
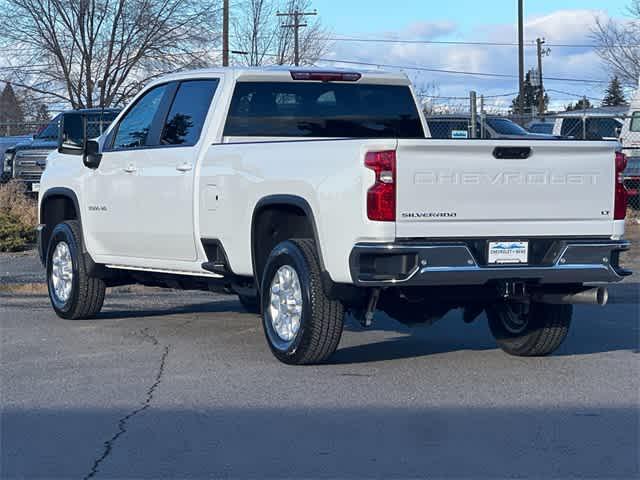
462,263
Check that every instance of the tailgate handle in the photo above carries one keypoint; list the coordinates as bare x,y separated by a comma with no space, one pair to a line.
512,153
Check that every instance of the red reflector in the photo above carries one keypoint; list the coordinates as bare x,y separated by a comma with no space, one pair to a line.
327,76
381,197
621,195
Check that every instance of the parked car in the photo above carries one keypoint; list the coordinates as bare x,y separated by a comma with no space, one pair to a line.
26,160
630,139
458,126
6,143
312,193
544,127
591,124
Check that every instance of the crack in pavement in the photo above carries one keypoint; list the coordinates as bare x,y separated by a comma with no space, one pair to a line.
122,423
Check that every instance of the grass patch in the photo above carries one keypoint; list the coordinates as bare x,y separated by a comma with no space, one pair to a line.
24,288
18,217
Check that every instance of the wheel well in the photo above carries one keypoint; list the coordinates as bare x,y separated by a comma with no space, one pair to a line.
54,210
273,224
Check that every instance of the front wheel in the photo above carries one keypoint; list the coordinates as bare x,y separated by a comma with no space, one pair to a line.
533,330
73,293
302,325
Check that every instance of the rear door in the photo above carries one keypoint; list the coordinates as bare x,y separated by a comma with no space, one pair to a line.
486,189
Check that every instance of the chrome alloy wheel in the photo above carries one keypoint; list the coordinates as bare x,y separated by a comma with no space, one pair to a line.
285,310
62,272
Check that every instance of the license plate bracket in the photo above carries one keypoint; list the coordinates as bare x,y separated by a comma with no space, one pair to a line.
508,252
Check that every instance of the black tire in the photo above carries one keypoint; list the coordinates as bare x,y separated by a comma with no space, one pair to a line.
87,293
537,333
250,303
321,320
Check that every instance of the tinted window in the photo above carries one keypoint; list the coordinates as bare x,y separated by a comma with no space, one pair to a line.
635,122
571,127
97,123
134,128
504,126
599,128
50,132
188,112
292,109
546,128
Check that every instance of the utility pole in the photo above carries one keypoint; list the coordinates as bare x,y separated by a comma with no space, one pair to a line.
521,55
473,97
296,25
225,33
540,42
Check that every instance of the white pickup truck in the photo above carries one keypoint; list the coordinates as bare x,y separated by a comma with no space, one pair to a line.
311,194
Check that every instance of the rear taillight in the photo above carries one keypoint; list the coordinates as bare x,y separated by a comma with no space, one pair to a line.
621,197
381,197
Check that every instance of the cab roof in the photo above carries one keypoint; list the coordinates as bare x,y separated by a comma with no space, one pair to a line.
280,73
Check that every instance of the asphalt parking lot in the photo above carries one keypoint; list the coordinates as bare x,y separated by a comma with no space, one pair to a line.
182,385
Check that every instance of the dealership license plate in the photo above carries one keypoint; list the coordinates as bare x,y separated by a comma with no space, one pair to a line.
508,252
35,187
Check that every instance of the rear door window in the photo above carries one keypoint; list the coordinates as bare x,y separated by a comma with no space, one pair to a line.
188,112
600,128
323,110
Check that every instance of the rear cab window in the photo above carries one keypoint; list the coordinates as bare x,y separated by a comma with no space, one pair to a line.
322,110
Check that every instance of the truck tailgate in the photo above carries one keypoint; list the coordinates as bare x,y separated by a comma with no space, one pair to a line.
485,189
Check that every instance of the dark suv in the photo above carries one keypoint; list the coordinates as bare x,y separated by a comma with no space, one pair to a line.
26,161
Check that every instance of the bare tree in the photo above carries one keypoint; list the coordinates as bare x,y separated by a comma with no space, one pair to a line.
100,52
254,31
259,33
618,44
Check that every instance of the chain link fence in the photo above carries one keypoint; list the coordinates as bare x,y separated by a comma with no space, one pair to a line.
456,118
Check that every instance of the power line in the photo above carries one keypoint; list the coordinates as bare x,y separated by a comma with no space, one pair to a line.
296,26
529,43
458,72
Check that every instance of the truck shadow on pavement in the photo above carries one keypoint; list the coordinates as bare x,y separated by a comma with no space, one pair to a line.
321,442
594,330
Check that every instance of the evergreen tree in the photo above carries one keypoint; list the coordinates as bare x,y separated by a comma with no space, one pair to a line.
10,111
582,104
531,98
614,95
42,114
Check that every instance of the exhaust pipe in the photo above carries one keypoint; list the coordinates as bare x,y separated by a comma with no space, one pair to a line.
593,296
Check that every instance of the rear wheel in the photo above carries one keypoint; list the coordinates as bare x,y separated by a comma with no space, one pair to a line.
302,325
73,293
529,330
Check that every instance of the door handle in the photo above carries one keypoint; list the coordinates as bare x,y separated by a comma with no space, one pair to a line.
185,167
130,169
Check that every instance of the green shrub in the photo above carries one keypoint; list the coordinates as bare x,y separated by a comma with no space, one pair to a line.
18,218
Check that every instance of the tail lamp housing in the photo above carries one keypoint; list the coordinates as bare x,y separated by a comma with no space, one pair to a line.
381,197
621,196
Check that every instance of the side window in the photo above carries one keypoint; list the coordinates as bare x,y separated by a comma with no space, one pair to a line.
571,127
133,130
188,112
635,122
599,128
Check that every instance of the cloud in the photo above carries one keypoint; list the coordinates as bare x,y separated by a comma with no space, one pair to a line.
559,27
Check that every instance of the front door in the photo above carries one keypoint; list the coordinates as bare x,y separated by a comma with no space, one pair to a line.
143,190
